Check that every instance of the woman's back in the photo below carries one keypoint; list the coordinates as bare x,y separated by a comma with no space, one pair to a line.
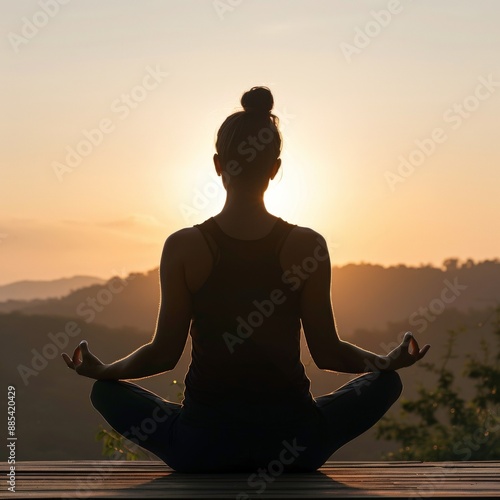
246,325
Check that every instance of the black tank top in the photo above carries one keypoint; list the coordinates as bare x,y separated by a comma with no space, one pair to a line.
246,332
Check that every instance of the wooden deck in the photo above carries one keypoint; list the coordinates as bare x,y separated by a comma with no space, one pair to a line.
120,479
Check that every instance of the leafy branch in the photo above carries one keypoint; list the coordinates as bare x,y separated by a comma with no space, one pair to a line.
440,424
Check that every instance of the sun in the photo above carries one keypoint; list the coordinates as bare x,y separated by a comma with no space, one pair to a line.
287,194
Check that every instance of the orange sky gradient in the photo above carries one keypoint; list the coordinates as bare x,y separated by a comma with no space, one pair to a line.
390,113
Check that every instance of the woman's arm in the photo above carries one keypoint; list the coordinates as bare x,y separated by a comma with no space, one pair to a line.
172,327
328,351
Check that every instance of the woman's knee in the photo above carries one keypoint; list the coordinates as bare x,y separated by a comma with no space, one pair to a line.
100,392
393,383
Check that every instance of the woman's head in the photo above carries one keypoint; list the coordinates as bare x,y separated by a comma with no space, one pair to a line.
249,142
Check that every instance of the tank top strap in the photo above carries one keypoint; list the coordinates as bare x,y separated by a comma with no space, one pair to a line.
218,241
209,234
279,234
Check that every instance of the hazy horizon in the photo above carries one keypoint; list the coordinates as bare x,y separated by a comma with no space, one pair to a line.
388,110
334,265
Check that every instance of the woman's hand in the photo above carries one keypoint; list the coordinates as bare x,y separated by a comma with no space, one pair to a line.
406,354
84,362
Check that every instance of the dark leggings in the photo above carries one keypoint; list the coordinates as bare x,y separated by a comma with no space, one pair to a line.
158,426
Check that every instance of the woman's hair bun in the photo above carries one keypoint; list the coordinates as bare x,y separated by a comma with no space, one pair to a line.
258,99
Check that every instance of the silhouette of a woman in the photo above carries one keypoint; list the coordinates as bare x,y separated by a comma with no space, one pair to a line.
241,284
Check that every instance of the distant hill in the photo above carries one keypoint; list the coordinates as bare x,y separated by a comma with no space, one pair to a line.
365,296
368,296
120,302
44,289
18,305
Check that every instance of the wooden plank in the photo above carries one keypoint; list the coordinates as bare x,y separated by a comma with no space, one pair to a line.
153,479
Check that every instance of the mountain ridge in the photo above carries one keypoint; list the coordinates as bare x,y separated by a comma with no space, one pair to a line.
364,296
44,289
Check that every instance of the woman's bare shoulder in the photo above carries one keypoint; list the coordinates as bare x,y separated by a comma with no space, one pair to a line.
184,241
302,242
305,237
184,234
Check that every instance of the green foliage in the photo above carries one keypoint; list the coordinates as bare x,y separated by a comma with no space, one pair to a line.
117,447
180,393
441,425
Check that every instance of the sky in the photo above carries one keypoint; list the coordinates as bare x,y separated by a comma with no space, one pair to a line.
389,109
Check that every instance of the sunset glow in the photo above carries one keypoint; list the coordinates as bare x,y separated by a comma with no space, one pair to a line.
390,122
